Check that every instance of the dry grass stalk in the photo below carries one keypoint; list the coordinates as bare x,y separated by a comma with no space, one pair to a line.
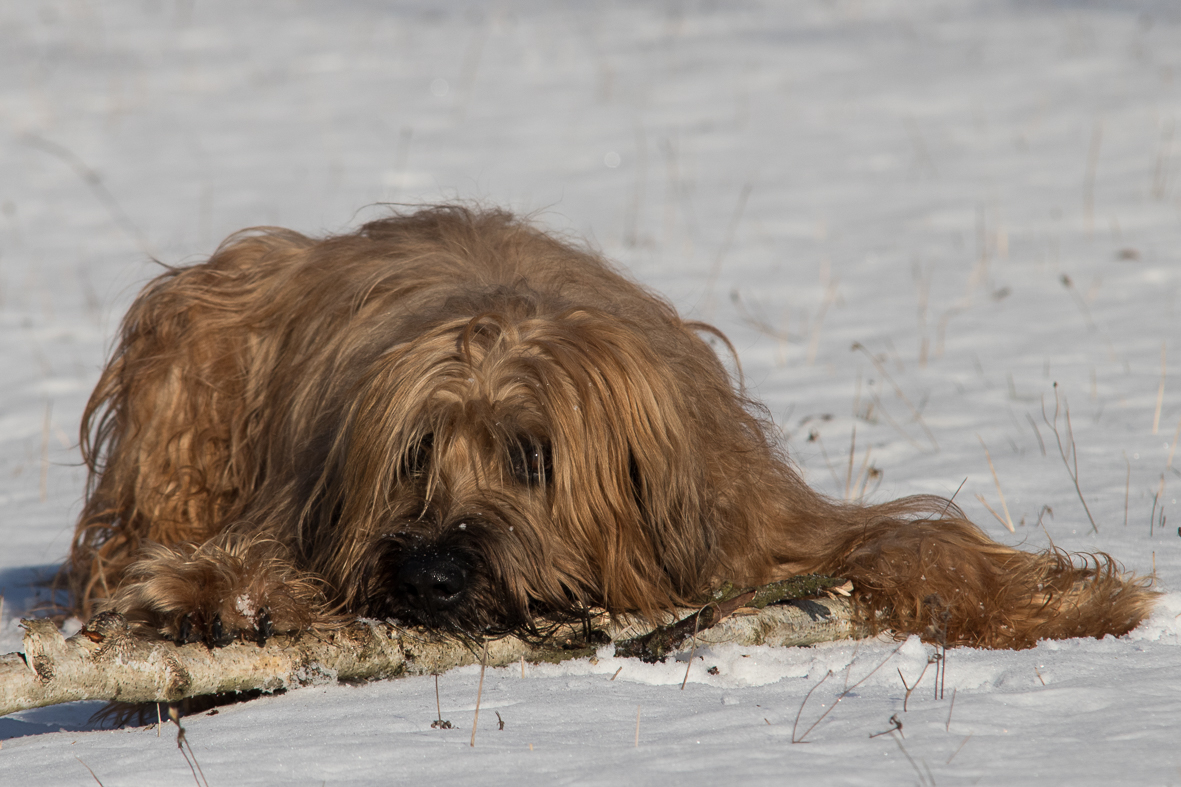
1127,487
992,511
92,773
1089,178
181,742
840,696
923,282
1173,447
918,417
957,749
1160,173
755,317
1038,432
830,295
1072,462
1160,391
852,451
716,269
941,328
94,182
865,474
910,689
1008,520
479,692
692,651
45,451
1068,283
926,778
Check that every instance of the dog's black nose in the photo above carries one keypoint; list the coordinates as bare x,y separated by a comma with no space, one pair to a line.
432,583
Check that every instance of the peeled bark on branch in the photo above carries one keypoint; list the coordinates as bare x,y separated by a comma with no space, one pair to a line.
104,661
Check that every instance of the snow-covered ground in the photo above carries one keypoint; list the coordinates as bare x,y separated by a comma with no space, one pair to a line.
985,195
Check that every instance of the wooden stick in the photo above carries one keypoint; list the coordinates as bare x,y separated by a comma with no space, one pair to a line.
105,661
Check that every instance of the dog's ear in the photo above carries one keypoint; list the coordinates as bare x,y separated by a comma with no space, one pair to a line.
677,468
630,467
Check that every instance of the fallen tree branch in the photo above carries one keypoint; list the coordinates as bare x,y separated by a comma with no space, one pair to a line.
104,661
657,644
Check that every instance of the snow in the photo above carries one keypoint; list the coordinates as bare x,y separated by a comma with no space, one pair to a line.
986,195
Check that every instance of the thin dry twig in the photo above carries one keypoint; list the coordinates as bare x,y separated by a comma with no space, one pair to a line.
984,503
852,451
917,681
92,773
693,650
895,725
865,474
716,269
1160,392
1008,520
1128,484
837,701
925,778
800,712
181,742
1160,174
1173,447
479,692
755,317
918,417
1089,177
439,723
814,436
957,748
1037,432
830,295
1080,301
1072,462
881,408
94,181
45,427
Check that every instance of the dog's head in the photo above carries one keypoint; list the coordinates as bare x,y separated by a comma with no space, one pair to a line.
509,458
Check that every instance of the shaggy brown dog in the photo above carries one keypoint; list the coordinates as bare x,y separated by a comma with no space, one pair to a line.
457,420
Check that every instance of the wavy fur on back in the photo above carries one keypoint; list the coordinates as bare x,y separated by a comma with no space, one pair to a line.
456,419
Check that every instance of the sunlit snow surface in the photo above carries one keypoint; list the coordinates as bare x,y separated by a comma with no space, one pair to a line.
985,195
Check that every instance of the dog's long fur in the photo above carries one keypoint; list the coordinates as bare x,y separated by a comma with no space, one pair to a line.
457,420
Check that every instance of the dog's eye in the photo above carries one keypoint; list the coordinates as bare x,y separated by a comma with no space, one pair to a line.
530,462
418,458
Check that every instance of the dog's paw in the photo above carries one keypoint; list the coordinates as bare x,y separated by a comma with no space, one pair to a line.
220,626
217,593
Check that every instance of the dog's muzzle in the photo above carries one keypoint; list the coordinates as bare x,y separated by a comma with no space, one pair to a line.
432,582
